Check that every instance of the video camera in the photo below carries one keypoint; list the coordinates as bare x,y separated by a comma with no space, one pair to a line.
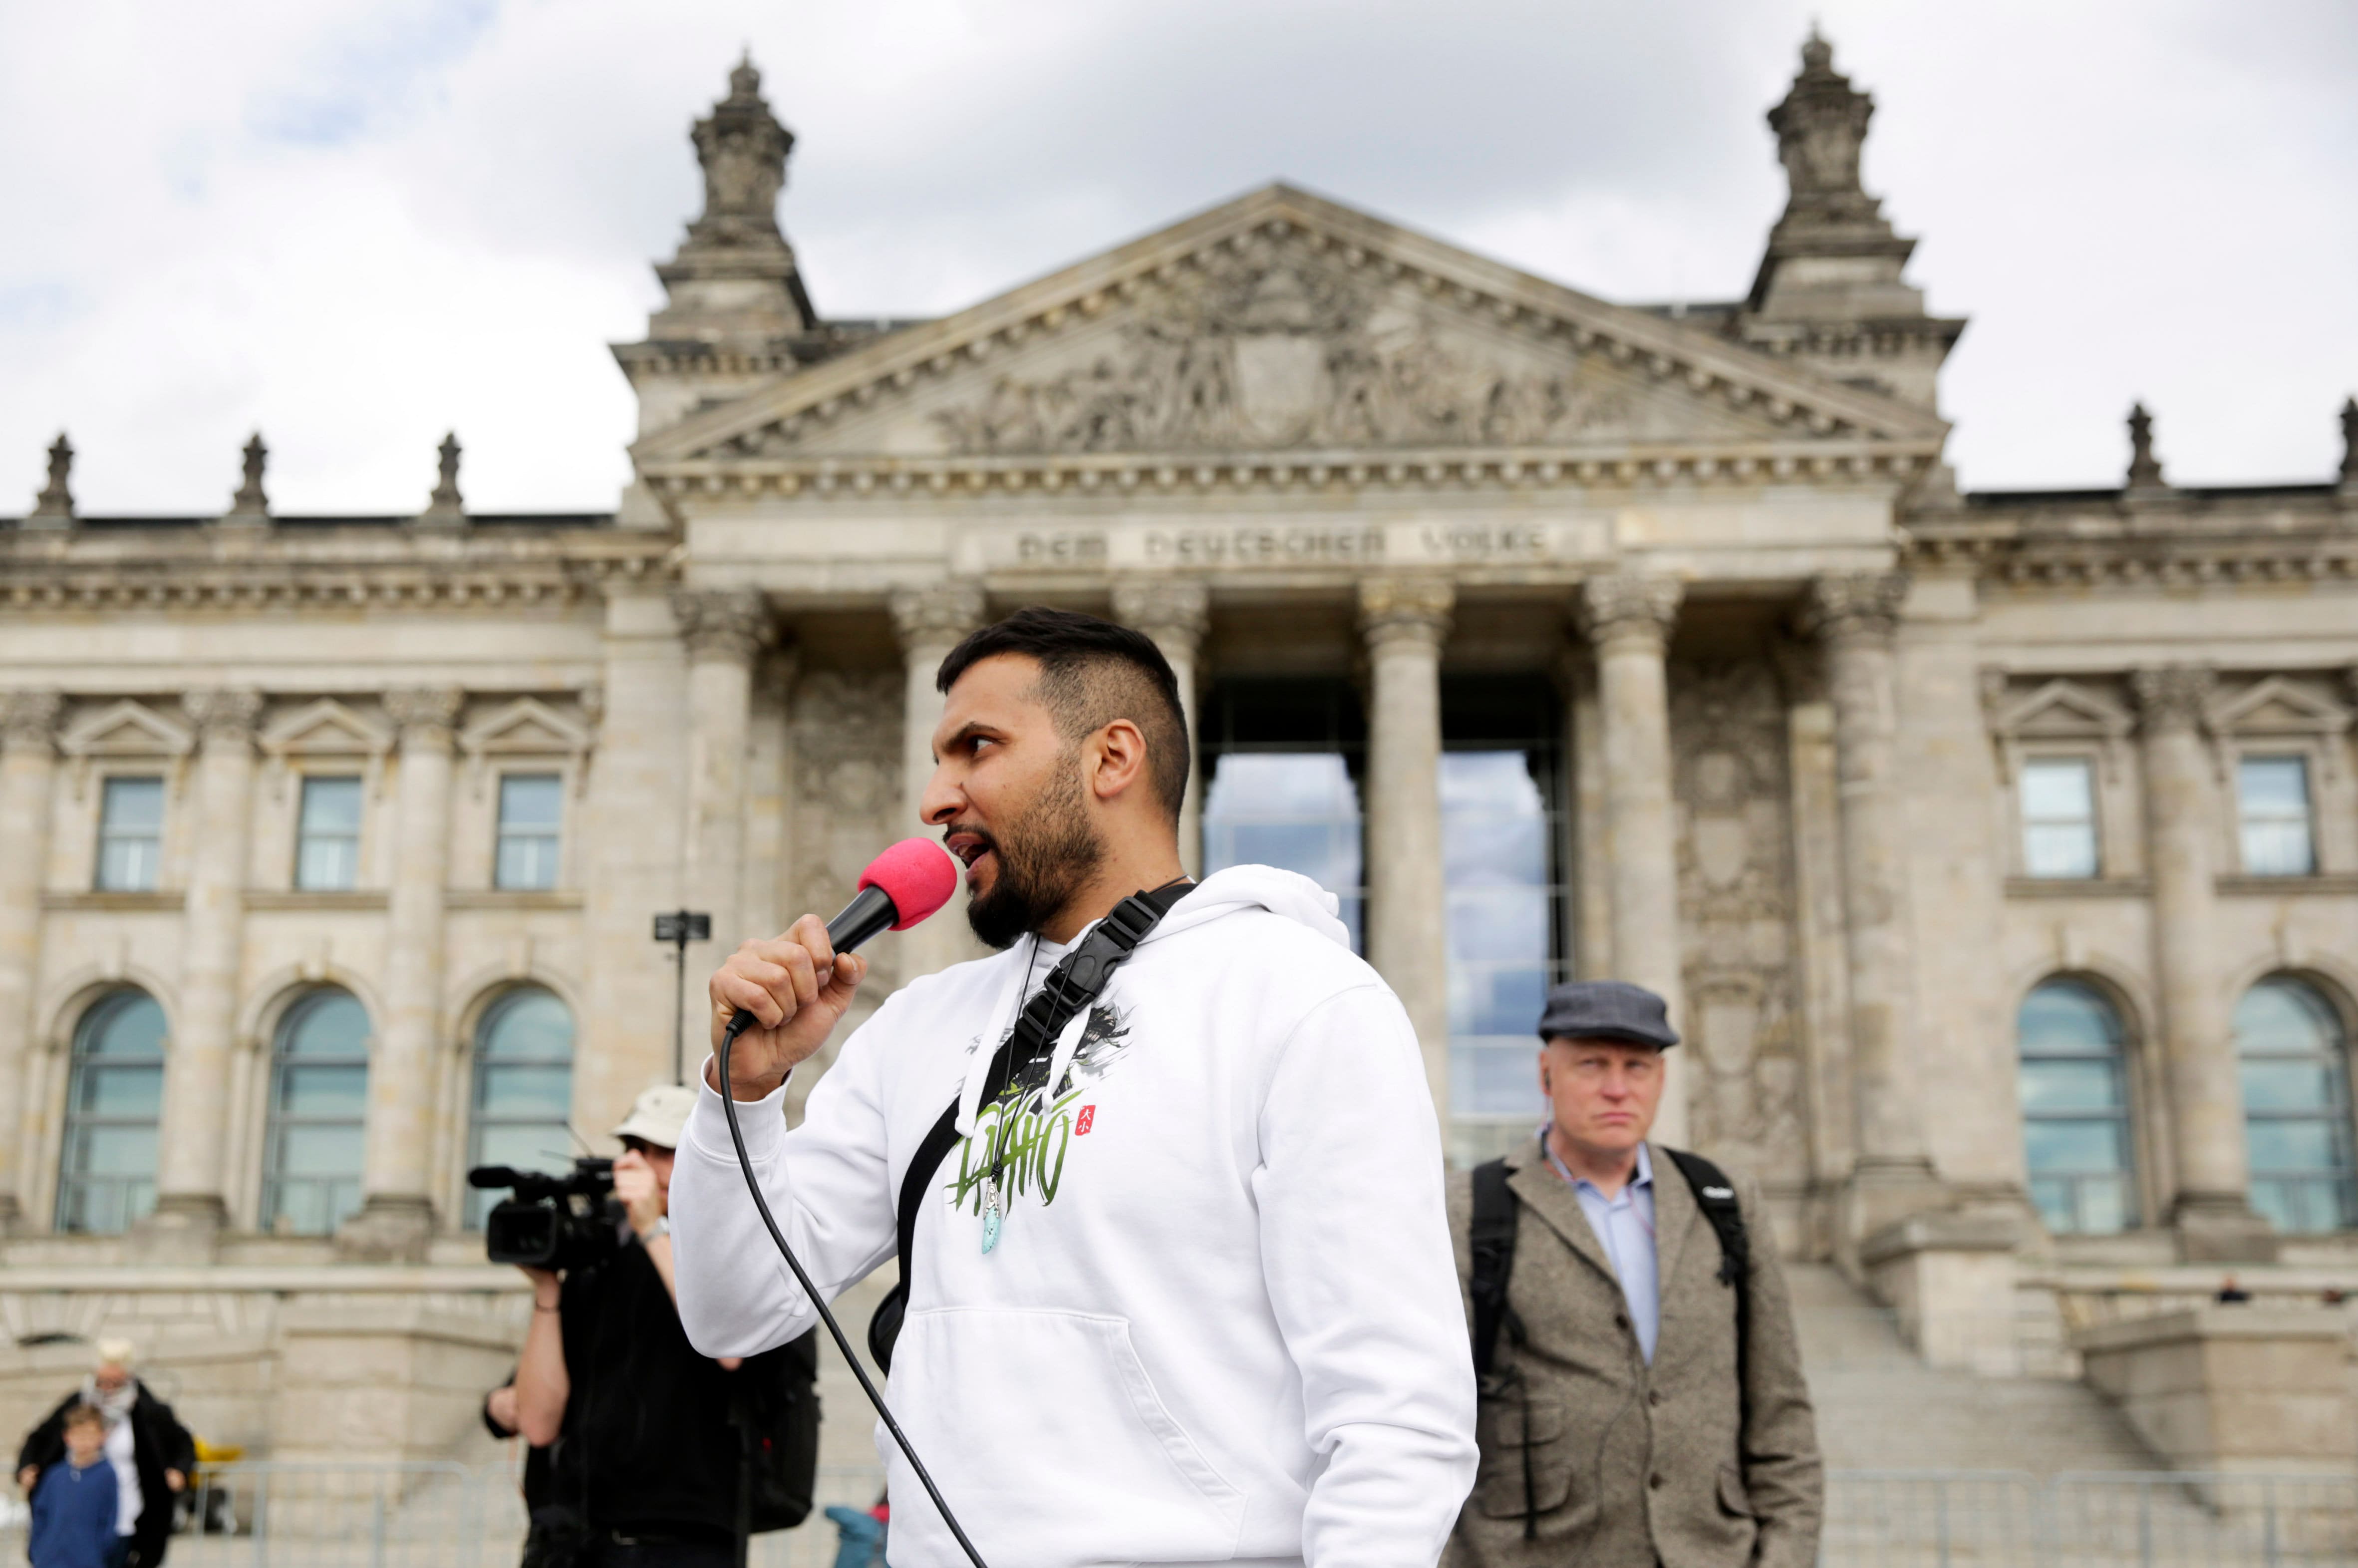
565,1222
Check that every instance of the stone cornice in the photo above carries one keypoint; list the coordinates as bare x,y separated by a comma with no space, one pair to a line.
1441,467
2081,542
178,574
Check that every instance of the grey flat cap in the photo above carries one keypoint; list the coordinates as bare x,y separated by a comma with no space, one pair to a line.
1607,1010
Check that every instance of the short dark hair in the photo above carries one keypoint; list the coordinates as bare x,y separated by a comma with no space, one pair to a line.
1092,672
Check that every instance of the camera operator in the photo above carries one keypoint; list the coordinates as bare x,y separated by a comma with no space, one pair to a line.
662,1457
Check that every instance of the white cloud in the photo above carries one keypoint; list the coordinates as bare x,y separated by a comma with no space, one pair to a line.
356,226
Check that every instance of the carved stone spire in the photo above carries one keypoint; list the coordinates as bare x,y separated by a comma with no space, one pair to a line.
54,507
2145,468
1832,259
249,508
1821,126
735,242
444,508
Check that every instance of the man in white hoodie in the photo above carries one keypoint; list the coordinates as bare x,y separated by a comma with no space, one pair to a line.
1199,1303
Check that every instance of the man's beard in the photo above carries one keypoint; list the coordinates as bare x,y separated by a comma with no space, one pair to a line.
1043,858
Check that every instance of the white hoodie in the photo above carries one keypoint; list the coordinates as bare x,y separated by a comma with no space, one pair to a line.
1221,1323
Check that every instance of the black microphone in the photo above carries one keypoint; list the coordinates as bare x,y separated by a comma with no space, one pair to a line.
871,911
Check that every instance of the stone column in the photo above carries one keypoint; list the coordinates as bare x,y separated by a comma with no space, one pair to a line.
189,1211
28,765
930,622
628,857
1858,618
1174,611
1629,618
396,1217
1406,619
725,633
2212,1209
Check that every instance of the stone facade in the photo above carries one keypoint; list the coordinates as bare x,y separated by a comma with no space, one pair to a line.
1797,681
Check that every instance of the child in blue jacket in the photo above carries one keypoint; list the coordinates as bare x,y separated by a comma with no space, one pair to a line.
74,1500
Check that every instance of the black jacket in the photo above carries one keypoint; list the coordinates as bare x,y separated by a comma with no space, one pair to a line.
158,1442
654,1437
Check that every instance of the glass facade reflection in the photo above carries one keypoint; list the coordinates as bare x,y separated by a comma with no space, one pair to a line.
1282,758
2296,1082
107,1179
1501,832
2075,1109
523,1090
319,1111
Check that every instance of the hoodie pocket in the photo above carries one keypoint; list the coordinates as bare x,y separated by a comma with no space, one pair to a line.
1046,1425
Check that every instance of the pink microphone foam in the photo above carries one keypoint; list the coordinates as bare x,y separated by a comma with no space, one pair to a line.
917,874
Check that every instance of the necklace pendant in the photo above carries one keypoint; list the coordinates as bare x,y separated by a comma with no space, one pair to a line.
991,1214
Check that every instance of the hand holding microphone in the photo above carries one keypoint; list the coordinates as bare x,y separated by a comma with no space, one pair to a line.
797,987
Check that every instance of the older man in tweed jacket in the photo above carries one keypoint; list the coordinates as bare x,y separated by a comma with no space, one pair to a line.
1619,1426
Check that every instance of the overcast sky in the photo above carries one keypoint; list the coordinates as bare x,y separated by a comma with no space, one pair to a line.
356,225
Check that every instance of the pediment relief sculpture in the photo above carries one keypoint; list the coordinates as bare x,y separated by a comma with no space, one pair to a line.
1276,348
1282,323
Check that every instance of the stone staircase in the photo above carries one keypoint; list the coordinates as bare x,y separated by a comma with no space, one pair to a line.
1881,1408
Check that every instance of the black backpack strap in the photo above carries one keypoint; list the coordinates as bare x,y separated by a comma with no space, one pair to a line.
1715,1194
1076,981
1491,1239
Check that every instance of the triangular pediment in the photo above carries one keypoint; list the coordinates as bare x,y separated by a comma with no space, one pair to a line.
524,727
2277,705
1283,322
326,726
2063,709
127,728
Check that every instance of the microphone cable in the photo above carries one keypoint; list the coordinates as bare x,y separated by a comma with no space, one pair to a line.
737,1025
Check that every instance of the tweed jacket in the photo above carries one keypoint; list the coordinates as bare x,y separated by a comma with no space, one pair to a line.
1631,1465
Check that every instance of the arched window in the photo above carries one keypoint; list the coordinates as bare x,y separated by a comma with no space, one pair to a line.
107,1178
2075,1109
524,1090
319,1115
2296,1106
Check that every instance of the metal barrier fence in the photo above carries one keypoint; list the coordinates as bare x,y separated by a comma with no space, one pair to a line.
454,1516
2137,1519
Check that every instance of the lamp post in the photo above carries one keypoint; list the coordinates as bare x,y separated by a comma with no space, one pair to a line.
680,927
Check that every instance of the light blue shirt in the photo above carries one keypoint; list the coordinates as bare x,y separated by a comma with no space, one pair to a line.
1624,1224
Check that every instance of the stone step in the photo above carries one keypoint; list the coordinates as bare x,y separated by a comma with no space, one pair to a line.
1881,1408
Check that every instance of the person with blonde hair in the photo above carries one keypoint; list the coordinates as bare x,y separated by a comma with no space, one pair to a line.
149,1451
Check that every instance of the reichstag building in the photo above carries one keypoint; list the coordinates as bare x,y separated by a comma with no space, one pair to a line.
1998,851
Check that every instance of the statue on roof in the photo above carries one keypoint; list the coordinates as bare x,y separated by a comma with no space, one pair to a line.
1821,126
743,149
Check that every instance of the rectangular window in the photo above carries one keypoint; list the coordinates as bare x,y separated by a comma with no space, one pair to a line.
327,838
532,811
130,835
2272,807
2058,817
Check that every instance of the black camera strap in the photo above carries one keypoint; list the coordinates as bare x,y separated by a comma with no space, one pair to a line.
1078,981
